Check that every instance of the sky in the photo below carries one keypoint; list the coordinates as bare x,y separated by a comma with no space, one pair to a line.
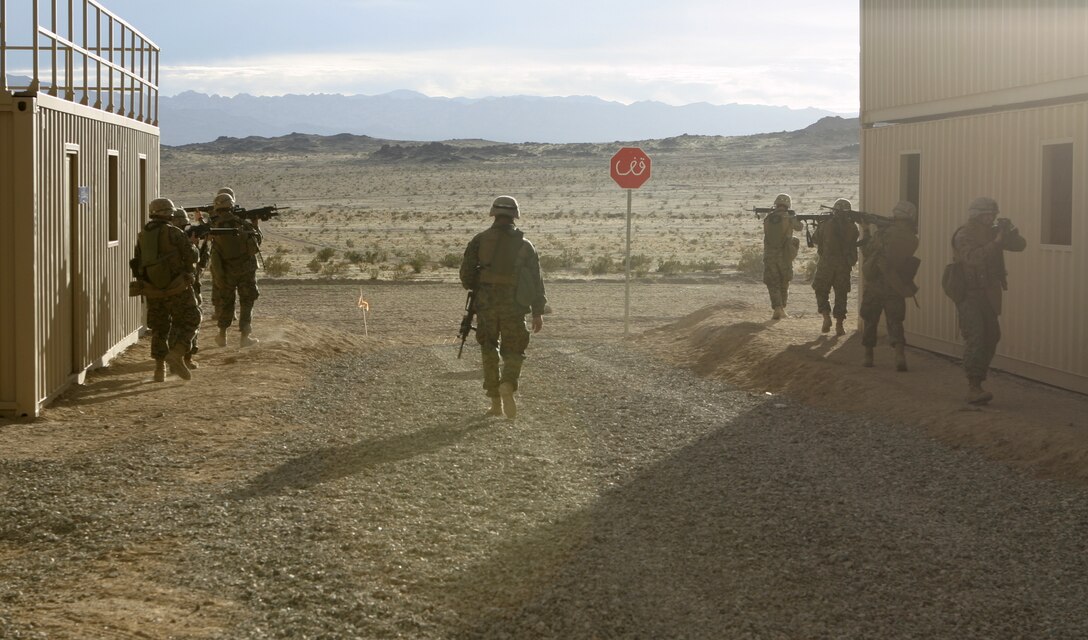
795,53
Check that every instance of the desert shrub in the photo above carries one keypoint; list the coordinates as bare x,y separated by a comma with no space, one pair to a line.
326,254
451,260
602,265
565,260
374,257
282,249
354,257
670,267
704,265
334,269
277,266
310,248
750,262
350,243
809,268
641,262
418,261
314,265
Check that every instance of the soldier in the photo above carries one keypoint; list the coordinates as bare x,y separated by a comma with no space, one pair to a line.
216,303
836,242
180,220
163,262
504,270
979,246
779,251
234,269
888,274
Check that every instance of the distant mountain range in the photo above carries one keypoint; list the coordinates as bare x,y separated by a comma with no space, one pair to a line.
192,117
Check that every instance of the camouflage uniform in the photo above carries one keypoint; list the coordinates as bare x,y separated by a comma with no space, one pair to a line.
981,253
837,246
779,251
504,269
163,260
234,270
888,275
181,221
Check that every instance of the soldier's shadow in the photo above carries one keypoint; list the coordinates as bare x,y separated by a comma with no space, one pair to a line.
331,463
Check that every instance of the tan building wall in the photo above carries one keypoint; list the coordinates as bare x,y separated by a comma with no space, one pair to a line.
79,182
925,57
963,99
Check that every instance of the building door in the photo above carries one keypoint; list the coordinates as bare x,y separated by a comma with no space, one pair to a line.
76,290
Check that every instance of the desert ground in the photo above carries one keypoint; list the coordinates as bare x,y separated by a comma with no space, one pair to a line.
710,474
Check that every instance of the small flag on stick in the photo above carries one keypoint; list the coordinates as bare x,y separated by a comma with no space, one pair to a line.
364,306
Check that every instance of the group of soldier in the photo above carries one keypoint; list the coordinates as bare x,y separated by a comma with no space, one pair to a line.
888,271
168,263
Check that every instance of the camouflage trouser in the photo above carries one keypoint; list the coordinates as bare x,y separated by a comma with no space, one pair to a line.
831,276
225,286
777,275
981,331
873,303
199,307
501,332
173,320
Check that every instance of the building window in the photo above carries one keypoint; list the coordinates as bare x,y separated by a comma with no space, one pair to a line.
1057,203
113,193
909,172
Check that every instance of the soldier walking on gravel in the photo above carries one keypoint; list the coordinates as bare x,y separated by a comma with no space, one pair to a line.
234,269
163,263
888,278
181,221
836,241
503,268
779,251
979,247
216,303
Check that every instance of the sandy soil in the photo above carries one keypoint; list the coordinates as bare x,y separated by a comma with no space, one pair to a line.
718,329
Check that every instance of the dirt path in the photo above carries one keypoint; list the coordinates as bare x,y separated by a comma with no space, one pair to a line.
330,484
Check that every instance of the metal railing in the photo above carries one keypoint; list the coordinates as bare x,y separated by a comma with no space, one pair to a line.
83,53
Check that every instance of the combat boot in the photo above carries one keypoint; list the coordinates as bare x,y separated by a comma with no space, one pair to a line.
160,371
868,361
839,329
189,363
221,339
176,359
246,340
496,407
509,405
900,358
778,314
976,394
827,323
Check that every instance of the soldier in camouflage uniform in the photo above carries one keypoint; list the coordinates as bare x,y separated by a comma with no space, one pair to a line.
836,243
888,278
216,302
234,269
504,270
163,262
979,247
181,221
779,251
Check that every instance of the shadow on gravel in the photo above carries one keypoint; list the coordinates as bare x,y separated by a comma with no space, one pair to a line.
331,463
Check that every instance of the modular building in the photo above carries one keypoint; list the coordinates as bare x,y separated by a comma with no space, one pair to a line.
959,99
79,161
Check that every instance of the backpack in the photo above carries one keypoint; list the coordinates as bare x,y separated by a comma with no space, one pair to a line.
953,280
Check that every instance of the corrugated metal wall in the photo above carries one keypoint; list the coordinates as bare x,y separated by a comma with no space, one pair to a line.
917,51
7,263
80,310
998,155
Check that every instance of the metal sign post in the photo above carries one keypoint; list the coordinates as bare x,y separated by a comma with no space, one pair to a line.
630,169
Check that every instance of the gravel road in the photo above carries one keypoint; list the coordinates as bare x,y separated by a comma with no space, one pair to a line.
630,499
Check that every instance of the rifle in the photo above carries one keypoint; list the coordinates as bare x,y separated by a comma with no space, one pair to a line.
864,217
768,210
466,321
205,229
808,219
264,214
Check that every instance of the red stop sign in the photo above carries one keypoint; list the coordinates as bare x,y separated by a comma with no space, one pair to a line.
630,167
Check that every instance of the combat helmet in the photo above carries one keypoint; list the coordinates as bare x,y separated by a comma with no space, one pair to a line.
226,190
842,204
180,216
783,200
982,206
905,210
160,208
223,201
505,206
